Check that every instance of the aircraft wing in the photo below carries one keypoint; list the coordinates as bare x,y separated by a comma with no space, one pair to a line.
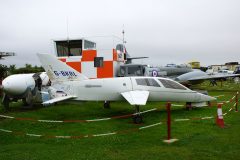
214,76
136,97
58,99
6,54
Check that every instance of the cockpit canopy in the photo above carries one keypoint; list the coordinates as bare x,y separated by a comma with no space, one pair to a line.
159,82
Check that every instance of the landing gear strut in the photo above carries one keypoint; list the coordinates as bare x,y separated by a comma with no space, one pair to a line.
188,106
137,118
213,82
5,102
106,104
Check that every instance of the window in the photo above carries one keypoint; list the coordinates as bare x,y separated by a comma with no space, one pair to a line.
125,56
119,47
147,82
122,71
69,48
141,82
135,70
89,45
152,82
237,69
98,61
171,84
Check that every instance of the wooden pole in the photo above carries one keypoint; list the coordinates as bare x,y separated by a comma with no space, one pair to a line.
169,140
169,121
236,106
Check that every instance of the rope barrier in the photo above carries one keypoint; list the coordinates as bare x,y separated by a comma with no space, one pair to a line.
80,136
219,96
80,121
231,100
101,134
104,119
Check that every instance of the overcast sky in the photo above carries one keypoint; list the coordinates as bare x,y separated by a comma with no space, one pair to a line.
168,31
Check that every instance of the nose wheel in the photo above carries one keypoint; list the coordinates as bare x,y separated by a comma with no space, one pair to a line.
137,118
188,106
106,105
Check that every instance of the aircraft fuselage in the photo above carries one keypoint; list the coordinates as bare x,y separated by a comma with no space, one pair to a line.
110,89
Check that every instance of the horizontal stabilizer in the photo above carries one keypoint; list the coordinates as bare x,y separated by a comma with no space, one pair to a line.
58,99
136,97
130,58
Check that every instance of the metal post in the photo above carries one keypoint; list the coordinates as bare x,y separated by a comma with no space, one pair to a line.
236,106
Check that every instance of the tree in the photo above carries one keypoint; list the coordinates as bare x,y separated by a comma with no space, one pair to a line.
28,66
3,71
12,69
3,74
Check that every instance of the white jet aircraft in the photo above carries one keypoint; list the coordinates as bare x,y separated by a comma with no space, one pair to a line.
136,90
23,86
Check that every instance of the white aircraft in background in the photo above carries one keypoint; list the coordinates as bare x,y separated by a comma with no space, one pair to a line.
24,86
180,73
136,90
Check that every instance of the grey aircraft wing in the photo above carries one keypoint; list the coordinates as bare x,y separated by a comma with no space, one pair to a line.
213,77
196,77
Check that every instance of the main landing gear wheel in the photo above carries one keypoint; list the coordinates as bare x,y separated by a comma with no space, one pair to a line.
28,101
213,82
137,119
106,105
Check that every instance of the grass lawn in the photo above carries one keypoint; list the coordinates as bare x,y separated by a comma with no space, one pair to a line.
198,139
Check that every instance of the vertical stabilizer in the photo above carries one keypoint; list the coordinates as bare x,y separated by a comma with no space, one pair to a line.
57,70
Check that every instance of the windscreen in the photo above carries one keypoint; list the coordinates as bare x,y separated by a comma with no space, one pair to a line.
135,70
171,84
147,82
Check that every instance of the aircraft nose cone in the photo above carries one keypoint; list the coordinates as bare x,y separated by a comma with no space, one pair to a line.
206,98
6,86
12,86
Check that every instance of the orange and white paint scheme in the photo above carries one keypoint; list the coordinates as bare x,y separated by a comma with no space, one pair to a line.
83,56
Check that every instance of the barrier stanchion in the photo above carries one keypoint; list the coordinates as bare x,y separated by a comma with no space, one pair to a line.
236,105
188,106
169,120
209,104
169,140
219,119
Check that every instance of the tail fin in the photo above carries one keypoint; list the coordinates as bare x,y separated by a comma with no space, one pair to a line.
57,70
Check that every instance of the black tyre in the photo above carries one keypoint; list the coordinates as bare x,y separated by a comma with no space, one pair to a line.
106,105
137,119
188,106
28,101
